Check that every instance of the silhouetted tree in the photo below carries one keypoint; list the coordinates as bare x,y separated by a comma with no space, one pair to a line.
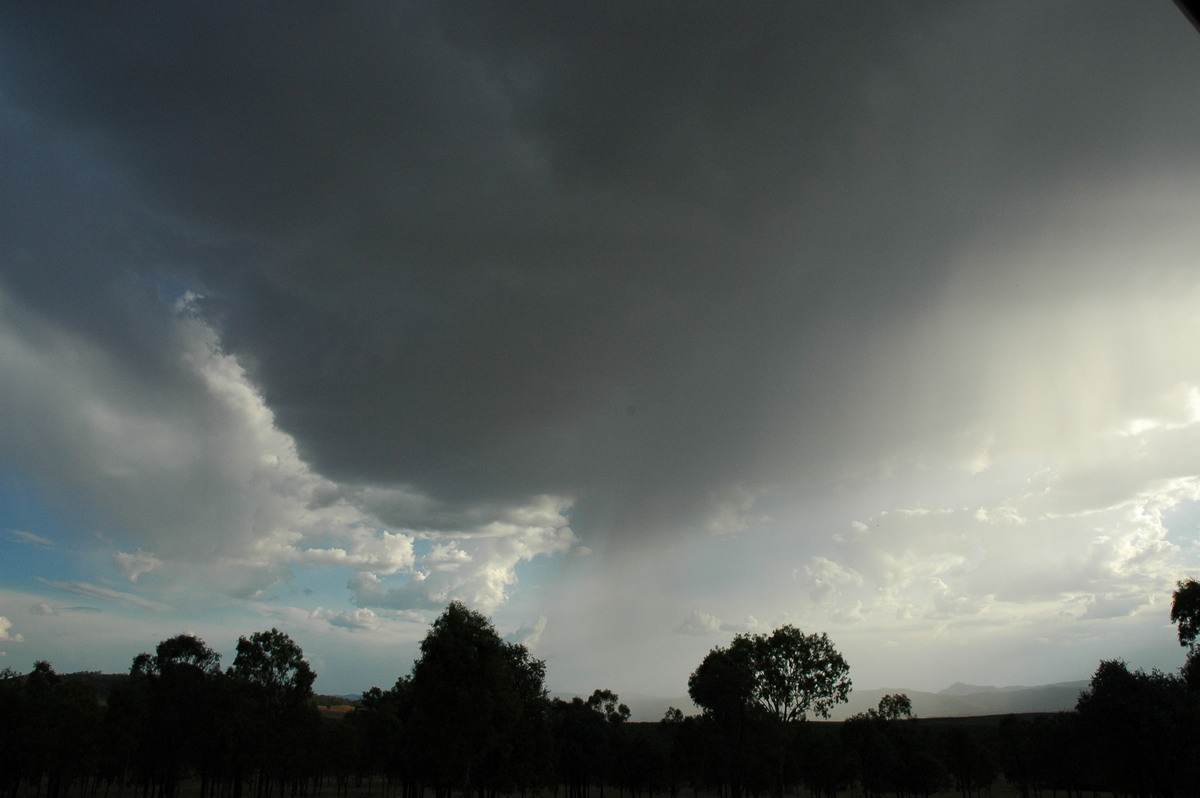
275,664
827,766
16,718
973,764
382,727
756,687
183,713
472,694
608,704
723,685
895,706
798,673
1142,727
272,683
891,753
1185,612
51,728
676,762
581,745
590,742
786,674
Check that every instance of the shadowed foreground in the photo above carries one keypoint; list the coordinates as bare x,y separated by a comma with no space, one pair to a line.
473,719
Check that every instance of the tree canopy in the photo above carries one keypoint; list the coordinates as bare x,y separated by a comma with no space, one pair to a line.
1185,612
472,693
786,674
272,661
473,717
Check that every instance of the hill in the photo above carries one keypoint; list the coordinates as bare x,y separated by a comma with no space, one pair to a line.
957,700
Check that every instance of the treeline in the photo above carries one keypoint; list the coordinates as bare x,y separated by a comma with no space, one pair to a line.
473,718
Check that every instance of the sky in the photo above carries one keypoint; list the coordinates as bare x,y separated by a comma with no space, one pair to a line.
633,326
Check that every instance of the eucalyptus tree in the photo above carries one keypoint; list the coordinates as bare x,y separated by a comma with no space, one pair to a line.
1185,612
177,698
273,663
1142,728
480,705
754,690
51,730
276,726
786,674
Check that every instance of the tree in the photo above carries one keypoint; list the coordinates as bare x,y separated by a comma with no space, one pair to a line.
181,697
895,706
889,751
608,703
479,702
180,654
798,673
755,689
1142,727
272,683
1185,611
723,685
786,674
275,664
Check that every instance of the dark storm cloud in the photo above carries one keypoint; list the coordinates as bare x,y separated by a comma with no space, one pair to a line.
620,252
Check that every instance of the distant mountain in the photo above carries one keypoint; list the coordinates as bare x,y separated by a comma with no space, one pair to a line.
957,700
961,700
958,688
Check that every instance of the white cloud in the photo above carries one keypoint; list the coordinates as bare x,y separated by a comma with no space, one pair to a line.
1052,542
6,635
194,468
360,618
527,635
29,537
382,553
703,623
181,455
107,594
478,567
134,565
699,623
827,578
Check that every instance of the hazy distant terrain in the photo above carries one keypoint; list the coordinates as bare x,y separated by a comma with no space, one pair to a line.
956,700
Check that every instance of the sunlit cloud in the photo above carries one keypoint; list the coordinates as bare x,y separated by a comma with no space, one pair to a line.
895,339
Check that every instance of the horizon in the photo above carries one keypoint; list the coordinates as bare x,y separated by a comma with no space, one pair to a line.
954,701
632,329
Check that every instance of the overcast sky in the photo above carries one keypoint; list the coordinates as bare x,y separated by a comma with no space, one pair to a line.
632,325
